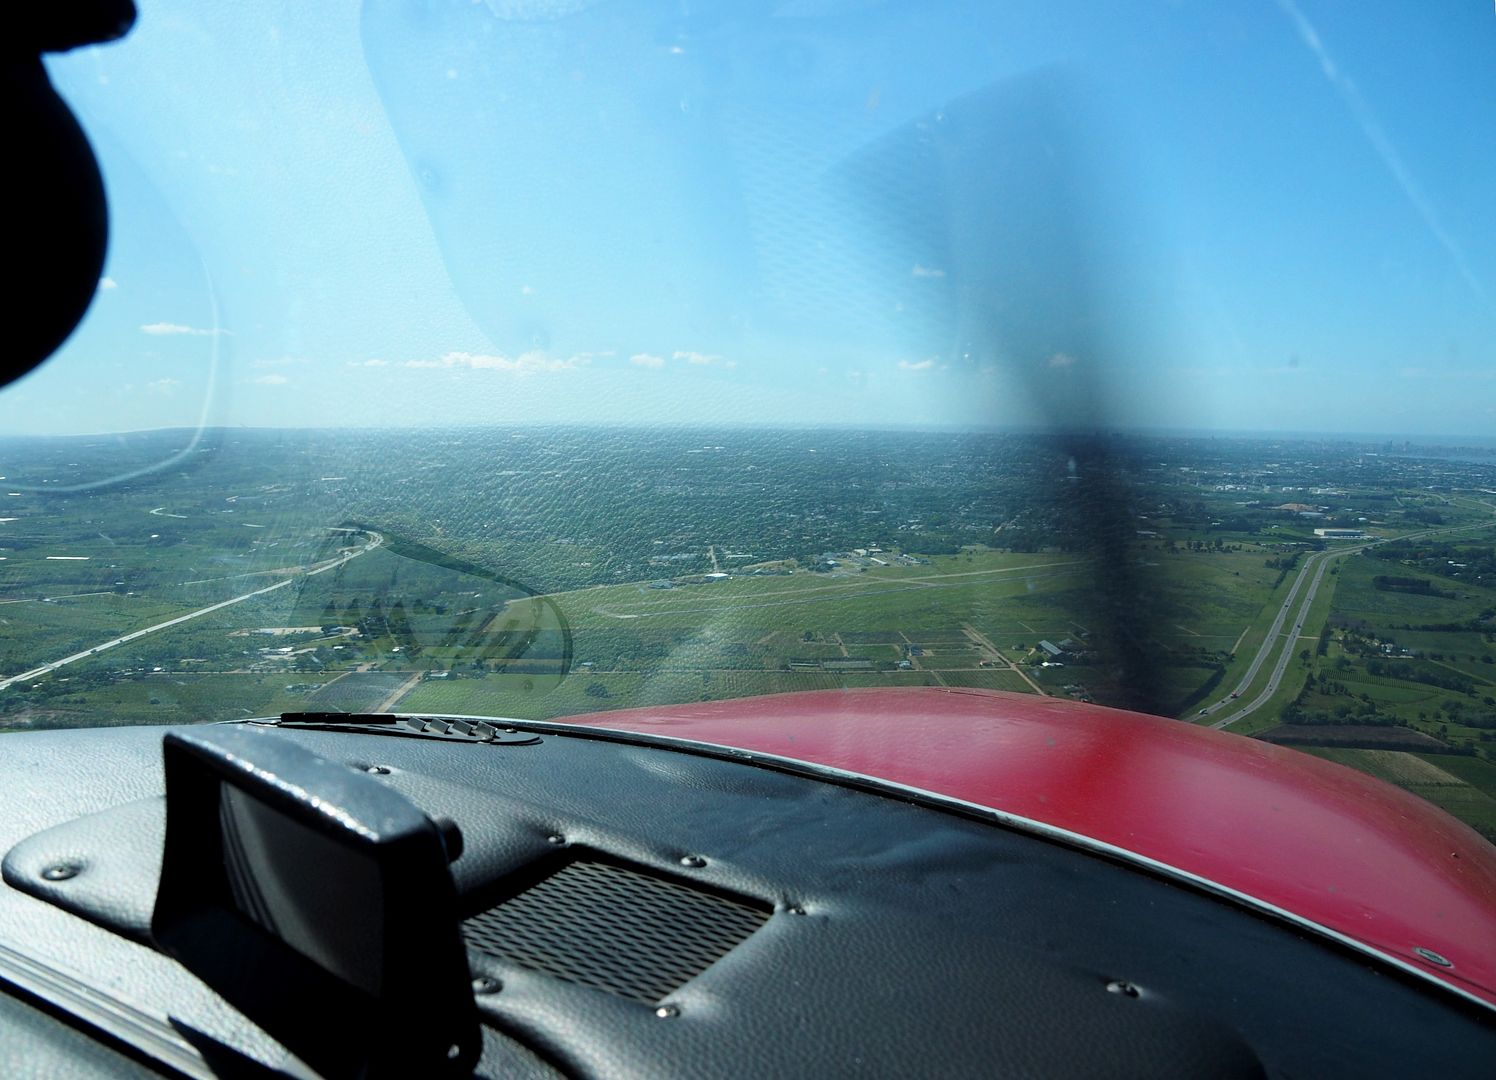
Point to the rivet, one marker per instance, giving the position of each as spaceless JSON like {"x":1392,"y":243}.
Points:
{"x":483,"y":984}
{"x":1433,"y":957}
{"x":555,"y":838}
{"x":60,"y":872}
{"x":696,"y":862}
{"x":454,"y":1052}
{"x":1126,"y":989}
{"x":378,"y":770}
{"x":795,"y":909}
{"x":667,"y":1012}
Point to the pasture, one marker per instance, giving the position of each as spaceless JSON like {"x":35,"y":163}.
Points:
{"x":1463,"y":786}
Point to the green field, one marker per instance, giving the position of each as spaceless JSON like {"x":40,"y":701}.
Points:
{"x":35,"y":631}
{"x":568,"y":570}
{"x":1299,"y":668}
{"x":526,"y":698}
{"x":167,"y":699}
{"x":1410,"y":649}
{"x":1465,"y":787}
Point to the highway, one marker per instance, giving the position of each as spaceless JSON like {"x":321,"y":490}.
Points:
{"x":375,"y":539}
{"x":1315,"y":564}
{"x":1318,"y":563}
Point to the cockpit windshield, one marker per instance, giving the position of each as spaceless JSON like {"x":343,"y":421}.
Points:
{"x":529,"y":358}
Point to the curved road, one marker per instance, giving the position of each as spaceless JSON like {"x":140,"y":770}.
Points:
{"x":375,"y":539}
{"x":1317,"y":563}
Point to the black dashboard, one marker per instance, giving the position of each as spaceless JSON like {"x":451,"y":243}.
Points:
{"x":633,"y":910}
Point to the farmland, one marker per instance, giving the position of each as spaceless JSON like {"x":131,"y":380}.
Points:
{"x":545,"y":572}
{"x":1408,"y":648}
{"x":1466,"y":787}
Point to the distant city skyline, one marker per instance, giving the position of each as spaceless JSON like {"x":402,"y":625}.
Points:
{"x":1269,"y":219}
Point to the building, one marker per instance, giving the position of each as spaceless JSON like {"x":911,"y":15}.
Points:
{"x":1051,"y":649}
{"x":1340,"y":534}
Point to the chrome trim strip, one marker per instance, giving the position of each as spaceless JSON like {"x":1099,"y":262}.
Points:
{"x":150,"y":1035}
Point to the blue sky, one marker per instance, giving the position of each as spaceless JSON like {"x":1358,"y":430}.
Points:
{"x":1258,"y":215}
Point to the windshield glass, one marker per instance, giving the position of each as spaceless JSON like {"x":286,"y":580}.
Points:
{"x":529,"y":358}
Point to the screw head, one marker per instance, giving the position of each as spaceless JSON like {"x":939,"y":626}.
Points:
{"x":795,"y":909}
{"x":555,"y":838}
{"x":485,"y":984}
{"x":60,"y":872}
{"x":1126,"y":989}
{"x":667,"y":1012}
{"x":695,"y":862}
{"x":378,"y":770}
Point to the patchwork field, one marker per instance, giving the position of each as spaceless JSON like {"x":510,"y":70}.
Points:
{"x":544,"y":572}
{"x":1463,"y":786}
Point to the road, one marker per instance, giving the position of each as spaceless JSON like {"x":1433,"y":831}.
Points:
{"x":375,"y":539}
{"x":1315,"y":564}
{"x":1318,"y":563}
{"x":982,"y":639}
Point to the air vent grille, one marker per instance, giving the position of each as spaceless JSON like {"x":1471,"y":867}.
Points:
{"x":613,"y":929}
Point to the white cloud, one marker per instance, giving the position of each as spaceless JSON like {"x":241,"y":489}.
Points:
{"x":917,"y":365}
{"x":1061,"y":360}
{"x":375,"y":362}
{"x":704,"y":359}
{"x":272,"y":379}
{"x":105,"y":284}
{"x":529,"y":363}
{"x":160,"y":329}
{"x":645,"y":360}
{"x":163,"y":386}
{"x":927,"y":271}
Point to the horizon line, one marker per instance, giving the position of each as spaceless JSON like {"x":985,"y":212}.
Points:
{"x":1441,"y":439}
